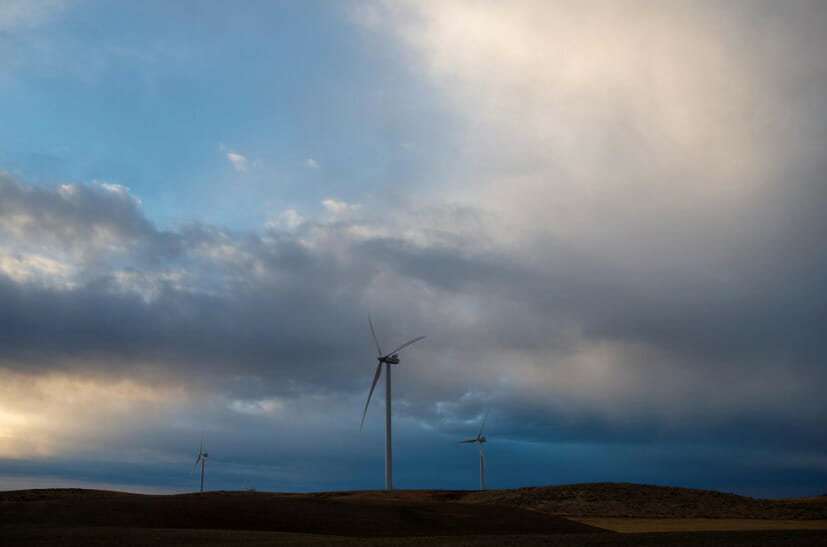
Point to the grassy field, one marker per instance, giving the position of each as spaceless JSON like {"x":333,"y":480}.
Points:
{"x":574,"y":515}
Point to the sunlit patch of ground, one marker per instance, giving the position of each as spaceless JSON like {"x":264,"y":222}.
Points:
{"x":636,"y":525}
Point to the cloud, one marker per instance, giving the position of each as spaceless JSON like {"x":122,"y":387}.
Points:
{"x":50,"y":418}
{"x":25,"y":267}
{"x":335,"y":206}
{"x":239,"y":162}
{"x":554,"y":141}
{"x":311,"y":163}
{"x":74,"y":215}
{"x":290,"y":219}
{"x":620,"y":254}
{"x":204,"y":298}
{"x":225,"y":322}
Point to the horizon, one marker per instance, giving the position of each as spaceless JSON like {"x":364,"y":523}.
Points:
{"x":390,"y":492}
{"x":606,"y":219}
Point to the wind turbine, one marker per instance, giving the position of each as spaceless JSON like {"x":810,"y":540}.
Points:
{"x":479,"y":439}
{"x":388,"y":359}
{"x":202,"y":457}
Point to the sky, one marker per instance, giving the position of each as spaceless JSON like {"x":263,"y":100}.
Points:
{"x":605,"y":217}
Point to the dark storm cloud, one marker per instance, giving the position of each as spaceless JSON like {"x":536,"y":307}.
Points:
{"x":257,"y":315}
{"x":764,"y":305}
{"x":252,"y":327}
{"x":266,"y":305}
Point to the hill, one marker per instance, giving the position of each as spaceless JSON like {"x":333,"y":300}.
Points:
{"x":648,"y":501}
{"x":373,"y":514}
{"x":536,"y":516}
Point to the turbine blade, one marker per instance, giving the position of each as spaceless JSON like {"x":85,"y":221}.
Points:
{"x":201,"y":448}
{"x":483,"y":422}
{"x":406,"y":344}
{"x":372,"y":387}
{"x":468,"y":441}
{"x":198,"y":459}
{"x":375,"y":341}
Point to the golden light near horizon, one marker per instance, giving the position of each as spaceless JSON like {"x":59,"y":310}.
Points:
{"x":43,"y":415}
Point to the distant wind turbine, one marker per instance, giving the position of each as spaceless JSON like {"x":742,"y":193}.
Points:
{"x":388,"y":359}
{"x":202,"y":457}
{"x":479,"y":439}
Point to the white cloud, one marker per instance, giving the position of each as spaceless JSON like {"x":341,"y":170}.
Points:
{"x":292,"y":219}
{"x":26,"y":267}
{"x":335,"y":206}
{"x":311,"y":163}
{"x":239,"y":162}
{"x":260,"y":407}
{"x":114,"y":188}
{"x":289,"y":220}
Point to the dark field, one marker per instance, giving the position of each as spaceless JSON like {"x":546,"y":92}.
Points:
{"x":129,"y":537}
{"x":528,"y":516}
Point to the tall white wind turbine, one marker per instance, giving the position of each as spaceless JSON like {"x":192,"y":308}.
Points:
{"x":479,"y":439}
{"x":388,"y":359}
{"x":202,"y":457}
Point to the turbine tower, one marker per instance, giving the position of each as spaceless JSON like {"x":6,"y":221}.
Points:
{"x":479,"y":439}
{"x":202,"y":457}
{"x":388,"y":359}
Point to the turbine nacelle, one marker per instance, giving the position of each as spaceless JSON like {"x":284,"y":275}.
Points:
{"x":390,"y":359}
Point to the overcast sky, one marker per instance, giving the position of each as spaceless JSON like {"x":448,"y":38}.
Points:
{"x":607,"y":218}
